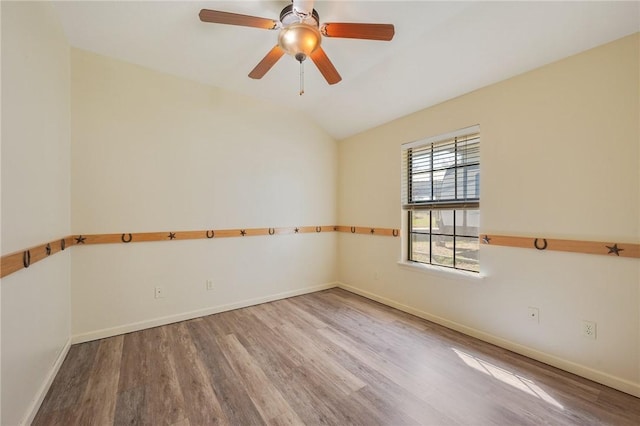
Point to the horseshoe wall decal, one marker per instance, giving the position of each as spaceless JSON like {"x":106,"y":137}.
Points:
{"x":213,"y":234}
{"x":47,"y":249}
{"x":544,"y":245}
{"x":124,"y":240}
{"x":26,"y":258}
{"x":318,"y":228}
{"x":63,"y":244}
{"x":353,"y":229}
{"x":272,"y":231}
{"x":395,"y":232}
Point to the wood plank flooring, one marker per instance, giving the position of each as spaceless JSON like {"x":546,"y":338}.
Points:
{"x":327,"y":358}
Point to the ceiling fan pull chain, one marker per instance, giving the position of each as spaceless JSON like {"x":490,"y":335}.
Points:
{"x":301,"y":78}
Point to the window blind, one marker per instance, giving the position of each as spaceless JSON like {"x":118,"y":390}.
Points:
{"x":442,"y":172}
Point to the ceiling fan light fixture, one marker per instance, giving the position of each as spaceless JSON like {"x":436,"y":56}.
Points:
{"x":300,"y":36}
{"x":299,"y":40}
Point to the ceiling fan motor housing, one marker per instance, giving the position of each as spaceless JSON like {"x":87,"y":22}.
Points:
{"x":288,"y":17}
{"x":302,"y":8}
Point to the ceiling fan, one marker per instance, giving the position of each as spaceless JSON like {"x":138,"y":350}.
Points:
{"x":300,"y":36}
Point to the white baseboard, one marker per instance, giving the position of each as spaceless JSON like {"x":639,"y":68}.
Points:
{"x":128,"y":328}
{"x":618,"y":383}
{"x":42,"y":392}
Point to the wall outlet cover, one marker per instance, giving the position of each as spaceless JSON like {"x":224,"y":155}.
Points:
{"x":589,"y":329}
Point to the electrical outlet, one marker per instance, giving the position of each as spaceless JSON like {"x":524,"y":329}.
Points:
{"x":209,"y":284}
{"x":589,"y":329}
{"x":159,"y":292}
{"x":534,"y":314}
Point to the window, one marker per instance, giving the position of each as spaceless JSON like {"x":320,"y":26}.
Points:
{"x":441,"y":197}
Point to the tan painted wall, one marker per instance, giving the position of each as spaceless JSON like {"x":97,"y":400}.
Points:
{"x":559,"y":158}
{"x":153,"y":152}
{"x":35,"y":201}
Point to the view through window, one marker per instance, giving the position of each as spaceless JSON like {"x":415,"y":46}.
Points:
{"x":441,"y":196}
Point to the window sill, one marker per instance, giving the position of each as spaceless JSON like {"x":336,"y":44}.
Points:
{"x":440,"y":271}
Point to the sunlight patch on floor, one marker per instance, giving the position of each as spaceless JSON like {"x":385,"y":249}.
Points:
{"x":505,"y":376}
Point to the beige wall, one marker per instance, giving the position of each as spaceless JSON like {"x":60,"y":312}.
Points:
{"x":153,"y":152}
{"x":560,"y":158}
{"x":35,"y":201}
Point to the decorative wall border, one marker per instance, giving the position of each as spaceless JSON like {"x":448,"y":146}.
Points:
{"x":139,"y":237}
{"x":386,"y":232}
{"x":25,"y":258}
{"x":574,"y":246}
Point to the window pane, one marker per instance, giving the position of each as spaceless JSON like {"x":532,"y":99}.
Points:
{"x":420,"y":161}
{"x":467,"y":222}
{"x":467,"y":254}
{"x":442,"y":221}
{"x":420,"y":248}
{"x":442,"y":250}
{"x":420,"y":221}
{"x":468,"y":182}
{"x":443,"y":156}
{"x":469,"y":151}
{"x":421,"y":187}
{"x":444,"y":186}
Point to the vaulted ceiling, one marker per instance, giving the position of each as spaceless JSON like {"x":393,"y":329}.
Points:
{"x":440,"y":50}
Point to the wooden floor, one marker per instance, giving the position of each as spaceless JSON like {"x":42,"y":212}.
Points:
{"x":324,"y":358}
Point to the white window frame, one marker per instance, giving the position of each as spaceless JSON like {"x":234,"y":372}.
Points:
{"x":427,"y":200}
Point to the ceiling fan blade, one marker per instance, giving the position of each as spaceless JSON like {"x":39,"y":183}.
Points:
{"x":267,"y":62}
{"x":218,"y":17}
{"x":325,"y":66}
{"x":382,"y":32}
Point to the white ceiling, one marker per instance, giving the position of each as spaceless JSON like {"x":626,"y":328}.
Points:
{"x":441,"y":49}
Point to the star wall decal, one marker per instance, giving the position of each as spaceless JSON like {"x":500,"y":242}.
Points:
{"x":172,"y":235}
{"x":243,"y":232}
{"x":486,"y":239}
{"x":48,"y":249}
{"x":373,"y":231}
{"x":80,"y":239}
{"x":614,"y":249}
{"x":297,"y":230}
